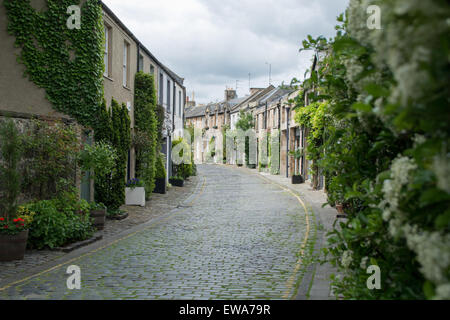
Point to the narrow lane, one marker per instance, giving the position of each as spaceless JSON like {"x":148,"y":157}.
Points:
{"x":240,"y":238}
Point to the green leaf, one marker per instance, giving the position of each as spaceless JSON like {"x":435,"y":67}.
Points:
{"x":428,"y":290}
{"x":376,"y":90}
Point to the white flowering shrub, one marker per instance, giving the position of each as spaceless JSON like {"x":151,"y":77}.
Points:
{"x":385,"y":148}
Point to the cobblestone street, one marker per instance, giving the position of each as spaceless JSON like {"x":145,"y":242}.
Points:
{"x":237,"y":237}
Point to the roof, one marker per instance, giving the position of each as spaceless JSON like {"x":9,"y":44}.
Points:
{"x":116,"y":19}
{"x":276,"y":94}
{"x":251,"y":98}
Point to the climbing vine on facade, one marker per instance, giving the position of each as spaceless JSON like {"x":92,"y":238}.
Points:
{"x":67,"y":63}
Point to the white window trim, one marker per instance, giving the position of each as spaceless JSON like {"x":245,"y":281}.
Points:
{"x":106,"y":51}
{"x":125,"y":63}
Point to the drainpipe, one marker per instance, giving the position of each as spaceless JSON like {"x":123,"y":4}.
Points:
{"x":288,"y":109}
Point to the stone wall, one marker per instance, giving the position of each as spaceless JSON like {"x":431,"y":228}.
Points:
{"x":26,"y":124}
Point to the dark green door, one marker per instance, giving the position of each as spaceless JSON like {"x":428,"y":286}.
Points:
{"x":86,"y":180}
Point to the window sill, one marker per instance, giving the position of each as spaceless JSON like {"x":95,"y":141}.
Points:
{"x":125,"y":87}
{"x":108,"y":78}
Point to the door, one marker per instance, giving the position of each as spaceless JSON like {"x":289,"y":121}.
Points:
{"x":86,"y":176}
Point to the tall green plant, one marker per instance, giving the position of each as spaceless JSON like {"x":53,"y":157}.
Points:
{"x":10,"y":155}
{"x":385,"y":148}
{"x":110,"y":187}
{"x":146,"y":129}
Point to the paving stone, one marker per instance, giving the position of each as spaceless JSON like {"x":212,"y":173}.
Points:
{"x":217,"y":248}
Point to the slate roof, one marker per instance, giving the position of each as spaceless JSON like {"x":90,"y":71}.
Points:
{"x":252,"y":98}
{"x":275,"y":95}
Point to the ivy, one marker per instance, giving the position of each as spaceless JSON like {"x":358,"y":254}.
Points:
{"x":68,"y":64}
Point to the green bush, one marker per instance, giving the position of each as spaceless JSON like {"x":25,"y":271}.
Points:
{"x":379,"y":132}
{"x":10,"y":177}
{"x":186,"y":168}
{"x":114,"y":130}
{"x":58,"y":223}
{"x":160,"y":168}
{"x":49,"y":227}
{"x":146,"y":129}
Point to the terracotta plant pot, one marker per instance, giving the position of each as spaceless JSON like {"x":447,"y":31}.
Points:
{"x":340,"y":208}
{"x":99,"y":217}
{"x":13,"y":247}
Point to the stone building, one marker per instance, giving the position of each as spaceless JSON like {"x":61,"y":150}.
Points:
{"x":124,"y":55}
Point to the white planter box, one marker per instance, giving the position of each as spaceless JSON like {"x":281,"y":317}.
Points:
{"x":135,"y":197}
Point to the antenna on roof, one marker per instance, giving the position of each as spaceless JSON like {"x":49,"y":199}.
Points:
{"x":237,"y":84}
{"x":249,"y":80}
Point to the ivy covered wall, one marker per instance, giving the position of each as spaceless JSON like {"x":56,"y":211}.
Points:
{"x":67,"y":63}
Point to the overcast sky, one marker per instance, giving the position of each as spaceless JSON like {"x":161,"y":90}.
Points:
{"x":213,"y":43}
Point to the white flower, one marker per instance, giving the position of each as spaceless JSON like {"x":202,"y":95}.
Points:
{"x":347,"y":259}
{"x":441,"y":168}
{"x":363,"y":263}
{"x":443,"y":292}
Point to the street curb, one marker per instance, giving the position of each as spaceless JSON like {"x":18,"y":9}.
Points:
{"x":78,"y":245}
{"x":89,"y":249}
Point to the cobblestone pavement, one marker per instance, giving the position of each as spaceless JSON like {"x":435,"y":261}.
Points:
{"x":239,"y":237}
{"x":155,"y":207}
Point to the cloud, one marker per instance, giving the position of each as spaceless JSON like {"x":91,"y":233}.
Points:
{"x":213,"y":43}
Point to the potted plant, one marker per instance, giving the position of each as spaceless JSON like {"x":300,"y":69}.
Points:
{"x":297,"y":178}
{"x":160,"y":176}
{"x":98,"y":213}
{"x":135,"y":193}
{"x":13,"y":228}
{"x":177,"y":181}
{"x":14,"y":236}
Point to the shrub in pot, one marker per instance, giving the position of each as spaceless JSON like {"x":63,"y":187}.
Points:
{"x":13,"y":229}
{"x":98,"y":214}
{"x":297,"y":178}
{"x":135,"y":193}
{"x":177,"y":181}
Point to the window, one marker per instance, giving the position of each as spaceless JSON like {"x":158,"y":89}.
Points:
{"x":152,"y":69}
{"x":141,"y":62}
{"x":179,"y":103}
{"x":161,"y":89}
{"x":106,"y":51}
{"x":126,"y":49}
{"x":168,"y":97}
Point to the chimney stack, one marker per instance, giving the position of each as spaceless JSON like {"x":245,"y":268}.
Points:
{"x":230,"y":94}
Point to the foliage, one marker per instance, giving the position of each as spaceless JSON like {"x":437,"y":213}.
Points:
{"x":68,"y":64}
{"x":10,"y":153}
{"x":99,"y":158}
{"x":134,"y":183}
{"x":246,"y":122}
{"x":110,"y":187}
{"x":160,"y":168}
{"x":185,"y":168}
{"x":13,"y":227}
{"x":96,"y":206}
{"x":52,"y":228}
{"x":50,"y":154}
{"x":146,"y":126}
{"x":384,"y":148}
